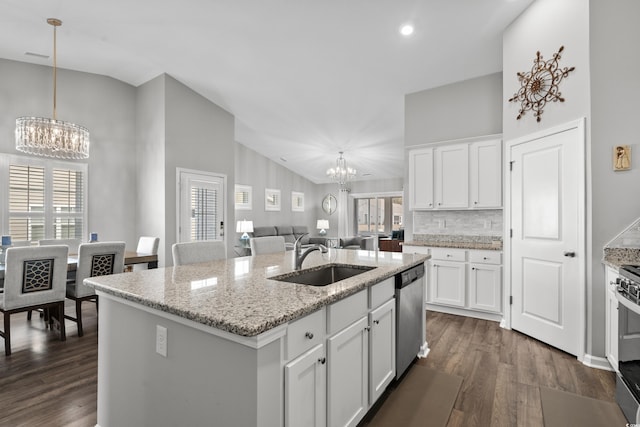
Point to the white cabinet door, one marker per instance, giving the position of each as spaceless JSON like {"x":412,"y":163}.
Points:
{"x":348,"y":375}
{"x":382,"y":349}
{"x":452,"y":176}
{"x":421,"y":178}
{"x":485,"y":169}
{"x":485,"y":287}
{"x":447,"y":283}
{"x":305,"y":389}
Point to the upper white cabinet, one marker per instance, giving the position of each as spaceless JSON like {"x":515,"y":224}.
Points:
{"x":421,"y":178}
{"x":485,"y":169}
{"x":452,"y":176}
{"x":456,"y":176}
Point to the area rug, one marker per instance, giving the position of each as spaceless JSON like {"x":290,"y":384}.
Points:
{"x":562,"y":409}
{"x":423,"y":394}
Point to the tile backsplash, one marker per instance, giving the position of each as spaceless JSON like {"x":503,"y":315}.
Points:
{"x":466,"y":223}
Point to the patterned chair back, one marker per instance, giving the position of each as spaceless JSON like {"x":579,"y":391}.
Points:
{"x":34,"y":275}
{"x":96,"y":259}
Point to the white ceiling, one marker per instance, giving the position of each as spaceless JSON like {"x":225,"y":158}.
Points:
{"x":304,"y":79}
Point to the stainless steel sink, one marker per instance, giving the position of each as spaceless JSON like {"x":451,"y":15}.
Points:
{"x":322,"y":276}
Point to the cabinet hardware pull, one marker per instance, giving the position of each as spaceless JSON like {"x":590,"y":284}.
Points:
{"x":570,"y":254}
{"x":322,"y":360}
{"x":376,"y":322}
{"x":475,"y":203}
{"x":485,"y":258}
{"x":367,"y":328}
{"x":473,"y":268}
{"x":309,"y":335}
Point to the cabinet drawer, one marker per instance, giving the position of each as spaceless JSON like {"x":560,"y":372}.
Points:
{"x":344,"y":312}
{"x":302,"y":334}
{"x":415,"y":249}
{"x":381,"y":292}
{"x":485,"y":257}
{"x":446,"y":254}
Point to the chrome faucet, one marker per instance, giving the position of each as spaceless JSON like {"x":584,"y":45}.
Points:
{"x":300,"y":256}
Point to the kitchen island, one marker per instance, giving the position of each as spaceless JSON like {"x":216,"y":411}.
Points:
{"x":221,"y":343}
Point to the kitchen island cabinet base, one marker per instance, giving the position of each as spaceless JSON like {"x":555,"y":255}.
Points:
{"x":205,"y":378}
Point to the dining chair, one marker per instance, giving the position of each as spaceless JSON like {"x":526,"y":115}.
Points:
{"x":71,"y":243}
{"x":200,"y":251}
{"x":34,"y":278}
{"x":267,"y":245}
{"x":94,"y":259}
{"x":148,"y":245}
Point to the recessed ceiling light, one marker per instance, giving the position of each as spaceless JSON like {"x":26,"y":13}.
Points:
{"x":367,"y":174}
{"x":406,"y":30}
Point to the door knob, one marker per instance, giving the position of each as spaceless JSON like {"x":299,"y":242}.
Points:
{"x":570,"y":254}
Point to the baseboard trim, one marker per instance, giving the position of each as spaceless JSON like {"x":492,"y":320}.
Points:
{"x":597,"y":362}
{"x":494,"y":317}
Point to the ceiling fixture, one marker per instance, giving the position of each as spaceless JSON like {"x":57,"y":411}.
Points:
{"x":341,"y":173}
{"x":52,"y":137}
{"x":406,"y":30}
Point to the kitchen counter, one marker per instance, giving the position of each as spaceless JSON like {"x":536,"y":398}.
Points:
{"x":616,"y":257}
{"x":492,"y":243}
{"x":220,"y":342}
{"x":237,"y":296}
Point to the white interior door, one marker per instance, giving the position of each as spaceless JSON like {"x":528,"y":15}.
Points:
{"x":201,"y":206}
{"x":547,"y":244}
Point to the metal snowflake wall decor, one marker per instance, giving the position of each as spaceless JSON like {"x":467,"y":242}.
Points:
{"x":540,"y":85}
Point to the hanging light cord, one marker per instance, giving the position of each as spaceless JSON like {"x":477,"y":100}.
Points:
{"x":56,"y":23}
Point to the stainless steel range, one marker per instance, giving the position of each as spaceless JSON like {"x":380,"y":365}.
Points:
{"x":628,"y":378}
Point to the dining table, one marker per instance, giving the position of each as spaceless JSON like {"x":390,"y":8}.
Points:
{"x":130,"y":258}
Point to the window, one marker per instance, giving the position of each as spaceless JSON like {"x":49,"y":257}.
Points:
{"x":44,"y":199}
{"x":379,"y":214}
{"x":370,"y":215}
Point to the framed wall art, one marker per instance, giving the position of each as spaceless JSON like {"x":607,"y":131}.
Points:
{"x":621,"y":157}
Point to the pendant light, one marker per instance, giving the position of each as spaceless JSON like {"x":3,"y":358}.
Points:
{"x":52,"y":137}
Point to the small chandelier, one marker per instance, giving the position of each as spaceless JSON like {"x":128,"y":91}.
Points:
{"x":52,"y":137}
{"x":341,"y":173}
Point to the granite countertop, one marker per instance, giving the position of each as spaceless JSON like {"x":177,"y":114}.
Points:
{"x":237,"y":296}
{"x":492,"y":243}
{"x":616,"y":257}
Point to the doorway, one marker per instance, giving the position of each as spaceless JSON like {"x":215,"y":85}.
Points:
{"x":201,"y":205}
{"x":545,"y":236}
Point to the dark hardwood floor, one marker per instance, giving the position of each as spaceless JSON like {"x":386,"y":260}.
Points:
{"x":502,"y":371}
{"x":53,"y":383}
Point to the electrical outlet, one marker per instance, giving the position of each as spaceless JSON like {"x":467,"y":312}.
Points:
{"x":441,"y":223}
{"x":487,"y":224}
{"x":161,"y":340}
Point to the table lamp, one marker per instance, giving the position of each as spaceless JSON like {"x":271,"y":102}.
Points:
{"x":323,"y":226}
{"x":244,"y":227}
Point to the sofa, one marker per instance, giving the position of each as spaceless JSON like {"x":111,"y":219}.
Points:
{"x":290,"y":234}
{"x":357,"y":242}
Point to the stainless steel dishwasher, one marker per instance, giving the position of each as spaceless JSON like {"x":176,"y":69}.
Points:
{"x":409,"y":312}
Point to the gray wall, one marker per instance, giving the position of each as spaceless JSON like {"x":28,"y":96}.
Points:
{"x":604,"y":89}
{"x":107,"y":108}
{"x":150,"y":153}
{"x":198,"y":135}
{"x":259,"y":172}
{"x":615,"y":90}
{"x":460,"y":110}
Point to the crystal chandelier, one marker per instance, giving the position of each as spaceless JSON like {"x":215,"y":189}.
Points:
{"x":341,"y":173}
{"x":52,"y":137}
